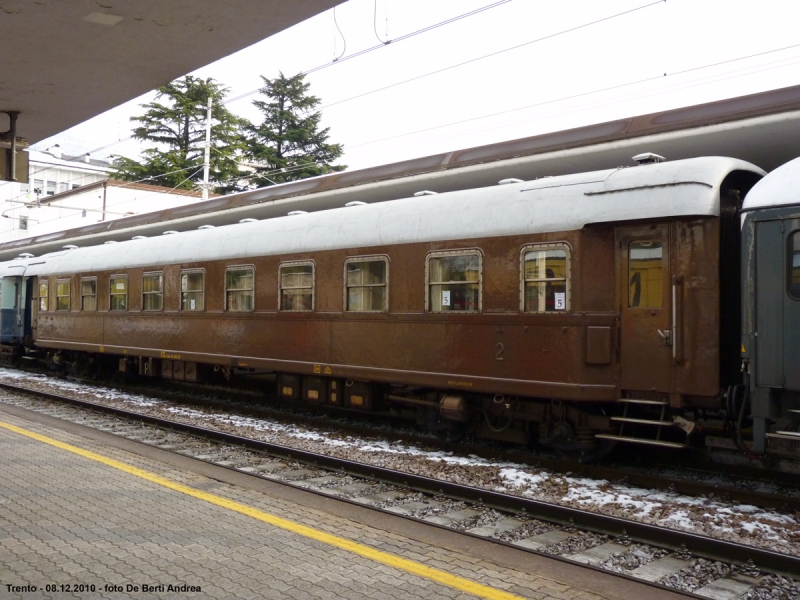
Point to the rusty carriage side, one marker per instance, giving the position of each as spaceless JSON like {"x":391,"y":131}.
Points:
{"x":527,"y":311}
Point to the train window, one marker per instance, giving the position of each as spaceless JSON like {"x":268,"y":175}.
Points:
{"x":454,"y":281}
{"x":297,"y":286}
{"x":62,"y":294}
{"x":118,"y":292}
{"x":193,"y":290}
{"x":89,"y":293}
{"x":645,"y":273}
{"x":545,"y":278}
{"x":365,"y":281}
{"x":153,"y":291}
{"x":44,"y":292}
{"x":794,"y":265}
{"x":239,"y":288}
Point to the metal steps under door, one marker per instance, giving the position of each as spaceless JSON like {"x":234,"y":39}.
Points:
{"x":658,"y":424}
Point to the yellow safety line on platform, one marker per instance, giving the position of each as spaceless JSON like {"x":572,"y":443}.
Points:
{"x":410,"y":566}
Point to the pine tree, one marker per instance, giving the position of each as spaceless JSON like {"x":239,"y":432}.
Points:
{"x":175,"y":124}
{"x":288,"y":144}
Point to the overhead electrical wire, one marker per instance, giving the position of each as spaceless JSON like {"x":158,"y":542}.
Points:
{"x":343,"y":58}
{"x":383,"y":45}
{"x":375,"y":25}
{"x":652,"y":92}
{"x":410,"y":35}
{"x":417,"y":32}
{"x":77,"y":177}
{"x":136,"y":198}
{"x":580,"y":95}
{"x":344,"y":40}
{"x":491,"y":54}
{"x":264,"y":174}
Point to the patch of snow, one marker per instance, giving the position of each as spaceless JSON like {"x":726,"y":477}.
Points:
{"x":679,"y":519}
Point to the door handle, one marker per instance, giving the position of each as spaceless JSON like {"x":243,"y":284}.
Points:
{"x":666,"y":336}
{"x":677,"y":316}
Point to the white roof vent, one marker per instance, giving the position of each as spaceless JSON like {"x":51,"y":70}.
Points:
{"x":207,"y":226}
{"x":25,"y":255}
{"x":510,"y":180}
{"x":294,"y":213}
{"x":139,"y":237}
{"x":110,"y":242}
{"x":69,"y":247}
{"x":647,"y":158}
{"x":169,"y":232}
{"x":248,"y":221}
{"x":355,"y":203}
{"x":425,"y":193}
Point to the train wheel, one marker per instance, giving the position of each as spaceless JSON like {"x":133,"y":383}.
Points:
{"x":453,"y":432}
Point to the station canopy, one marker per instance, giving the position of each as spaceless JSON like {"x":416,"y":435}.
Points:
{"x":66,"y":61}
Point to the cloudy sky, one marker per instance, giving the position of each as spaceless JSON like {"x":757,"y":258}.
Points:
{"x":515,"y":69}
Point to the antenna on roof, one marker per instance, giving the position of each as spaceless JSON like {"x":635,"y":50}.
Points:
{"x":248,"y":220}
{"x":206,"y":227}
{"x":139,"y":237}
{"x":170,"y":232}
{"x":510,"y":180}
{"x":294,"y":213}
{"x":425,"y":193}
{"x":355,"y":203}
{"x":69,"y":247}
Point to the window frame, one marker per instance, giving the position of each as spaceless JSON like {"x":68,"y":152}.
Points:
{"x":187,"y":271}
{"x":385,"y":284}
{"x":46,"y":283}
{"x":298,"y":263}
{"x":68,"y":281}
{"x":791,"y":252}
{"x":226,"y":289}
{"x":159,"y":293}
{"x":111,"y":293}
{"x":83,"y":309}
{"x":663,"y":247}
{"x":460,"y":252}
{"x":559,"y":245}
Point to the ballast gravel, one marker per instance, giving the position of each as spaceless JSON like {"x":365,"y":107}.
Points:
{"x":714,"y":517}
{"x":579,"y":542}
{"x":699,"y":573}
{"x":774,"y":587}
{"x":636,"y":556}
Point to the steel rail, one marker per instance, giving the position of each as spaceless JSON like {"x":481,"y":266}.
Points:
{"x":702,"y":546}
{"x":614,"y":474}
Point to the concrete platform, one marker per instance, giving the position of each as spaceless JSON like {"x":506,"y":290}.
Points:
{"x":80,"y":507}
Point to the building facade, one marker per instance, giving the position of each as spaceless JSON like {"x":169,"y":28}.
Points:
{"x":66,"y":192}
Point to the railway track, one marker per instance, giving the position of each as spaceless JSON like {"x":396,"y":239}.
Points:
{"x":701,"y":566}
{"x":738,"y":484}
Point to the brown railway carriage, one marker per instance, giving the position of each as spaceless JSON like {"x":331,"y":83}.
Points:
{"x":530,"y":303}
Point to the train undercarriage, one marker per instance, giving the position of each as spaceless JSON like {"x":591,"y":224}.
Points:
{"x":583,"y":431}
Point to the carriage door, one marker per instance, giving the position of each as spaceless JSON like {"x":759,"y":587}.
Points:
{"x":645,"y":307}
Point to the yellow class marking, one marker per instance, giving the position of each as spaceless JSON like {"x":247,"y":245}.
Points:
{"x":397,"y":562}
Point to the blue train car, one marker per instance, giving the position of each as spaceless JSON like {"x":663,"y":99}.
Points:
{"x":15,"y":293}
{"x":771,"y":307}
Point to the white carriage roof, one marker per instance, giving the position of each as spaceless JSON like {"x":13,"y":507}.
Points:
{"x":780,"y":188}
{"x":680,"y":188}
